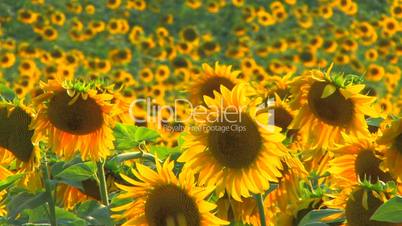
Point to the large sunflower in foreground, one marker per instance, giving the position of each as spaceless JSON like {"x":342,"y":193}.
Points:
{"x":357,"y":159}
{"x":75,"y":117}
{"x":232,"y":147}
{"x":392,"y":148}
{"x":160,"y":198}
{"x":210,"y":80}
{"x":329,"y":105}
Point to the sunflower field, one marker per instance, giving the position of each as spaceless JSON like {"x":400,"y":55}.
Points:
{"x":201,"y":112}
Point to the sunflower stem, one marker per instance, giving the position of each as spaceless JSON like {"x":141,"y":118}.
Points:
{"x":48,"y":188}
{"x":102,"y":183}
{"x":261,"y":209}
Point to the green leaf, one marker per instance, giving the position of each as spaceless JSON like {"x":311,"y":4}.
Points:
{"x":67,"y":218}
{"x":6,"y":92}
{"x":94,"y":212}
{"x":37,"y":215}
{"x":25,"y":200}
{"x":78,"y":172}
{"x":163,"y":152}
{"x":328,"y":91}
{"x":374,"y":121}
{"x":9,"y":181}
{"x":130,"y":136}
{"x":314,"y":217}
{"x":390,"y":211}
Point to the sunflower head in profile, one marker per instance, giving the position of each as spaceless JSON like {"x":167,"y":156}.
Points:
{"x":160,"y":198}
{"x":357,"y":160}
{"x":15,"y":136}
{"x":210,"y":80}
{"x":359,"y":202}
{"x":74,"y":116}
{"x":391,"y":146}
{"x":233,"y":147}
{"x":329,"y":104}
{"x":69,"y":196}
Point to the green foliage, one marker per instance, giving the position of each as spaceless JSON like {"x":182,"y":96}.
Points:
{"x":4,"y":184}
{"x":94,"y":212}
{"x":130,"y":136}
{"x":390,"y":211}
{"x":314,"y":217}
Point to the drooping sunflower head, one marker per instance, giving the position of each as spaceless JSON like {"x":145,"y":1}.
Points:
{"x":74,"y":116}
{"x":291,"y":200}
{"x":359,"y":202}
{"x":210,"y":80}
{"x":357,"y":160}
{"x":233,"y":147}
{"x":69,"y":196}
{"x":391,"y":145}
{"x":329,"y":104}
{"x":15,"y":135}
{"x":160,"y":198}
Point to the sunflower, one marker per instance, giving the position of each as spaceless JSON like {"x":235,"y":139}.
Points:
{"x":75,"y":117}
{"x":210,"y":80}
{"x":282,"y":114}
{"x":392,"y":148}
{"x":160,"y":198}
{"x":357,"y":159}
{"x":232,"y":147}
{"x":16,"y":148}
{"x":361,"y":201}
{"x":7,"y":60}
{"x":281,"y":203}
{"x":329,"y":105}
{"x":3,"y":208}
{"x":15,"y":136}
{"x":279,"y":85}
{"x":69,"y":196}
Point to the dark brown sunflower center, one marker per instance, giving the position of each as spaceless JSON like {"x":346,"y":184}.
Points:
{"x":357,"y":215}
{"x":15,"y":135}
{"x":334,"y":109}
{"x":282,"y":118}
{"x":367,"y":165}
{"x":80,"y":118}
{"x":91,"y":188}
{"x":234,"y":140}
{"x":170,"y":205}
{"x":398,"y":143}
{"x":213,"y":84}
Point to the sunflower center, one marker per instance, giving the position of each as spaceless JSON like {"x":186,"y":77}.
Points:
{"x":15,"y":135}
{"x":357,"y":215}
{"x":213,"y":84}
{"x":170,"y":205}
{"x":234,"y":140}
{"x":367,"y":165}
{"x":282,"y":118}
{"x":80,"y":118}
{"x":91,"y":188}
{"x":398,"y":143}
{"x":335,"y":109}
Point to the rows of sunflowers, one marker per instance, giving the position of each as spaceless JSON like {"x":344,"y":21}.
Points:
{"x":201,"y":112}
